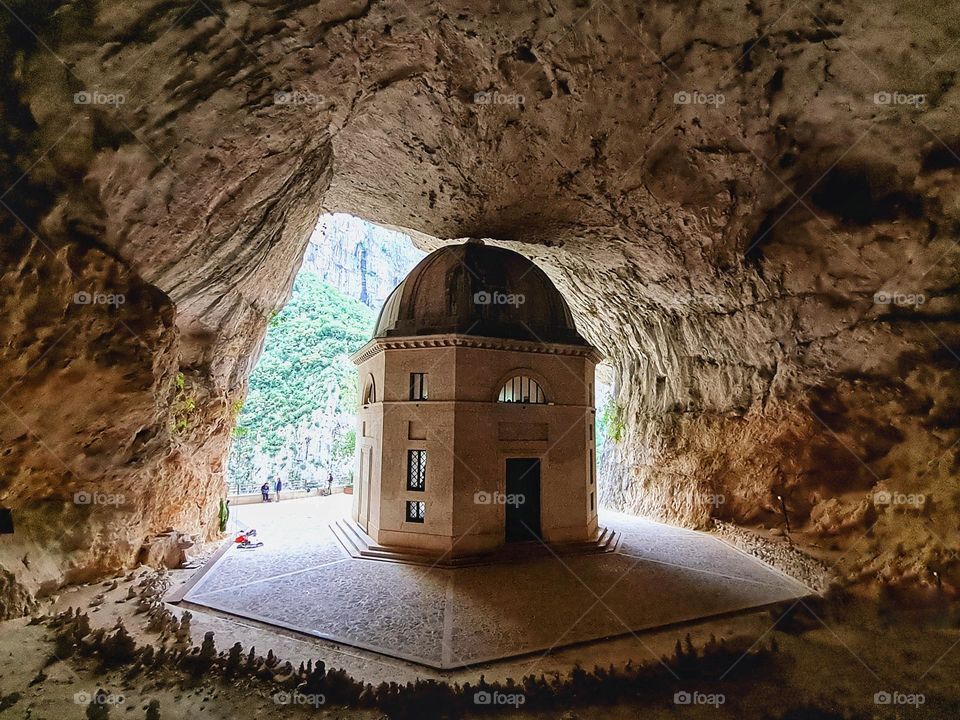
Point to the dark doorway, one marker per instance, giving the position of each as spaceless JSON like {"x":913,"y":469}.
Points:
{"x":6,"y":521}
{"x":523,"y":499}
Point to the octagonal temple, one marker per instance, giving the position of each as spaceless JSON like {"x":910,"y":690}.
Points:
{"x":476,"y":426}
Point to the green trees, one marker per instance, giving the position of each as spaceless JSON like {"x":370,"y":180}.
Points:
{"x":297,"y":418}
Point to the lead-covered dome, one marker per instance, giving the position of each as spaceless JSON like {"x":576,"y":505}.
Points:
{"x":482,"y":290}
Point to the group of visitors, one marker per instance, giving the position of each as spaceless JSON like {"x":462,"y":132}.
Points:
{"x":278,"y":486}
{"x":265,"y":490}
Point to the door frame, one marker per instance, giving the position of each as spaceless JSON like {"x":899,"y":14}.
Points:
{"x":502,"y":484}
{"x":362,"y":488}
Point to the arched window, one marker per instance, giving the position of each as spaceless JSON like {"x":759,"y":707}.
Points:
{"x":522,"y":389}
{"x":369,"y":391}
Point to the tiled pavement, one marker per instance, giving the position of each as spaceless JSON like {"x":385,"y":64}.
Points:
{"x":303,"y":580}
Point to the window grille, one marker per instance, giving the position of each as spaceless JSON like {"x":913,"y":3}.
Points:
{"x":522,"y":389}
{"x":416,"y":511}
{"x":416,"y":469}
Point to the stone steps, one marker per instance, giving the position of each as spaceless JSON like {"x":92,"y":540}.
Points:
{"x":360,"y":546}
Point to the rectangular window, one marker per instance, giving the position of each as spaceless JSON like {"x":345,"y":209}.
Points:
{"x":592,"y":462}
{"x":416,"y":469}
{"x":418,"y":386}
{"x":591,"y":502}
{"x":416,"y":511}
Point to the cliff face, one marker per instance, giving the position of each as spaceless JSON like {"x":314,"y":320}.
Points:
{"x":359,"y":259}
{"x":752,"y":209}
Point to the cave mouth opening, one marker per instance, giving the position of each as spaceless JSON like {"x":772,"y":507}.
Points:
{"x":297,"y":424}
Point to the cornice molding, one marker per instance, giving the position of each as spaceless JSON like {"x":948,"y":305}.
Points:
{"x":416,"y":342}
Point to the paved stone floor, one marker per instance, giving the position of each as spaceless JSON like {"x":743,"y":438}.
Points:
{"x":303,"y":580}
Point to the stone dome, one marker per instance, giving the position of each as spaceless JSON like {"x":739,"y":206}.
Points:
{"x":482,"y":290}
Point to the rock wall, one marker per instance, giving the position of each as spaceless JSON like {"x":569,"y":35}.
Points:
{"x":361,"y":260}
{"x":744,"y":204}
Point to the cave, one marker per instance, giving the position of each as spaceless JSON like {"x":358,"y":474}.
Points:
{"x":750,"y":210}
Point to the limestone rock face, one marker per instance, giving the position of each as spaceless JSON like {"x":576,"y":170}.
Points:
{"x":361,"y":261}
{"x":166,"y":550}
{"x":752,"y":209}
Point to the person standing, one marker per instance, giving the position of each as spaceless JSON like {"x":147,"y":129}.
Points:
{"x":329,"y":483}
{"x":278,"y":487}
{"x":265,"y":492}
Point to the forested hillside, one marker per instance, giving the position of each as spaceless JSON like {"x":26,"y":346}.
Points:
{"x":297,"y":421}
